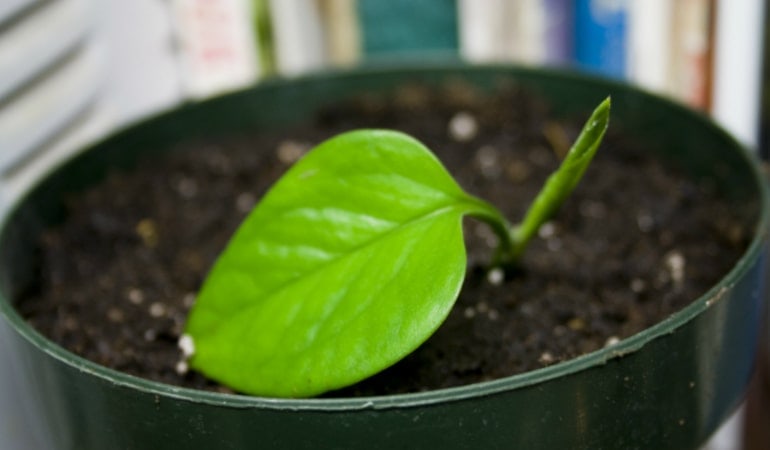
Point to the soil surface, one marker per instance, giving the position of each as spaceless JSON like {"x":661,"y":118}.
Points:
{"x":635,"y":243}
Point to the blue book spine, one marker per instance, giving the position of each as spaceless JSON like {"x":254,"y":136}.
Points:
{"x":601,"y":36}
{"x":559,"y":25}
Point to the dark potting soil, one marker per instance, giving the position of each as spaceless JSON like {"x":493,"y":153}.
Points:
{"x":635,"y":243}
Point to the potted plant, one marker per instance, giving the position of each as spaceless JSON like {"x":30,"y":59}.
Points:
{"x":668,"y":386}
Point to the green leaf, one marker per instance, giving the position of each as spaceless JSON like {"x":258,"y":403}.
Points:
{"x":348,"y":264}
{"x":562,"y":182}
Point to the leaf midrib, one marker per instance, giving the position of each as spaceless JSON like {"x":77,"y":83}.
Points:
{"x":445,"y":209}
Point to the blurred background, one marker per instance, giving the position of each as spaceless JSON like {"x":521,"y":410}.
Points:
{"x":72,"y":71}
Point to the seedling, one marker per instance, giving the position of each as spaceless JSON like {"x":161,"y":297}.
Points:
{"x":350,"y":262}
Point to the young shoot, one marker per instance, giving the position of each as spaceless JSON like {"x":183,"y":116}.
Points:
{"x":350,"y":262}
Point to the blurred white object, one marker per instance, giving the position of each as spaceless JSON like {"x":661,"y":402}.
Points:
{"x":73,"y":70}
{"x":45,"y":84}
{"x":738,"y":68}
{"x":298,"y":36}
{"x":525,"y":31}
{"x":216,"y":43}
{"x":650,"y":43}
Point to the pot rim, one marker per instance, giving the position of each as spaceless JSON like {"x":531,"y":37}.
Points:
{"x":599,"y":357}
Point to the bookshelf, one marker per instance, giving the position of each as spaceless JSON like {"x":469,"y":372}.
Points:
{"x":704,"y":53}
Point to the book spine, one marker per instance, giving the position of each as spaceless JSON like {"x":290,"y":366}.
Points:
{"x":409,"y":28}
{"x":601,"y":36}
{"x":298,"y":36}
{"x":489,"y":29}
{"x":558,"y":31}
{"x":217,"y":49}
{"x":691,"y":58}
{"x":649,"y":44}
{"x":528,"y":31}
{"x":738,"y":31}
{"x":341,"y":31}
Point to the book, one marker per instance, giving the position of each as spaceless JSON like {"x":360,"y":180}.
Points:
{"x":298,"y":36}
{"x":737,"y":67}
{"x":525,"y":31}
{"x":650,"y":44}
{"x":342,"y":32}
{"x":601,"y":36}
{"x":408,"y":29}
{"x":217,"y":45}
{"x":691,"y":52}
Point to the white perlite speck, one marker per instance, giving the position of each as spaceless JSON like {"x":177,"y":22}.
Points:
{"x":289,"y":152}
{"x":135,"y":296}
{"x":463,"y":127}
{"x":187,"y":345}
{"x":547,"y":230}
{"x":675,"y":262}
{"x":496,"y":276}
{"x":245,"y":202}
{"x":182,"y":367}
{"x":157,"y":310}
{"x":488,"y":161}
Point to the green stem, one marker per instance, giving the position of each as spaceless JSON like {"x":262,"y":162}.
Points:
{"x":561,"y":183}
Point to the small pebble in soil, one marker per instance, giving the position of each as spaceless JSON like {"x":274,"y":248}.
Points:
{"x":463,"y":127}
{"x":518,"y":171}
{"x":675,"y":262}
{"x":547,"y":230}
{"x":187,"y":345}
{"x":70,"y":323}
{"x":115,"y":315}
{"x":469,"y":312}
{"x":488,"y":161}
{"x":612,"y":340}
{"x":148,"y":232}
{"x":546,"y":358}
{"x":181,"y":367}
{"x":187,"y":188}
{"x":150,"y":334}
{"x":157,"y":310}
{"x":245,"y":202}
{"x":576,"y":324}
{"x":188,"y":300}
{"x":638,"y":285}
{"x":289,"y":151}
{"x":593,"y":210}
{"x":553,"y":244}
{"x":496,"y":276}
{"x":135,"y":296}
{"x":645,"y":222}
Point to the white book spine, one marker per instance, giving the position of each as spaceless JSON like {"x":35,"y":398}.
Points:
{"x":649,"y":43}
{"x":738,"y":68}
{"x":298,"y":36}
{"x":217,"y":39}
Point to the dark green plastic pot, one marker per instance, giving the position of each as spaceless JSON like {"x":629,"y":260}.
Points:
{"x":667,"y":387}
